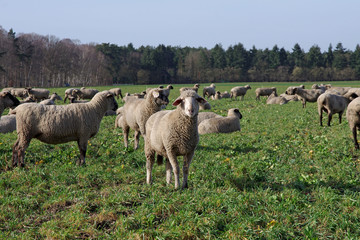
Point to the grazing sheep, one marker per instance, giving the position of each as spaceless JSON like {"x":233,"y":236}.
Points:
{"x":116,"y":92}
{"x":353,"y":117}
{"x":239,"y":91}
{"x":228,"y":124}
{"x":19,"y":92}
{"x":85,"y":93}
{"x":225,"y":94}
{"x":7,"y":123}
{"x":71,"y":93}
{"x":264,"y":92}
{"x":333,"y":103}
{"x":51,"y":100}
{"x":307,"y":95}
{"x":38,"y":94}
{"x":195,"y":88}
{"x":173,"y":133}
{"x":209,"y":91}
{"x":54,"y":124}
{"x":137,"y":111}
{"x":274,"y":99}
{"x":7,"y":100}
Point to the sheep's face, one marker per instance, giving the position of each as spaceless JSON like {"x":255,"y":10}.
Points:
{"x":159,"y":97}
{"x":235,"y":111}
{"x":112,"y":102}
{"x":190,"y":104}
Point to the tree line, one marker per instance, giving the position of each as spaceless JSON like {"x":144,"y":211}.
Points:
{"x":46,"y":61}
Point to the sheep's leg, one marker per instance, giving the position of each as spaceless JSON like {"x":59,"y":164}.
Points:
{"x":150,"y":159}
{"x":187,"y":160}
{"x":340,"y":117}
{"x":19,"y":151}
{"x":15,"y":156}
{"x":329,"y":118}
{"x":175,"y":166}
{"x":355,"y":137}
{"x":168,"y":171}
{"x":82,"y":144}
{"x":136,"y":140}
{"x":320,"y":116}
{"x":126,"y":130}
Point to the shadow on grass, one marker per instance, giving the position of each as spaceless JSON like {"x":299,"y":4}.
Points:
{"x":240,"y":149}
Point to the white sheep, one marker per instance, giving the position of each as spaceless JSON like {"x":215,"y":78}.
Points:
{"x":225,"y":94}
{"x":239,"y":91}
{"x":289,"y":90}
{"x":137,"y":111}
{"x":206,"y":115}
{"x":217,"y":96}
{"x":289,"y":97}
{"x":7,"y":123}
{"x":70,"y":92}
{"x":51,"y":101}
{"x":116,"y":92}
{"x":195,"y":88}
{"x":274,"y":99}
{"x":86,"y":93}
{"x":209,"y":91}
{"x":340,"y":90}
{"x":38,"y":94}
{"x":264,"y":92}
{"x":171,"y":134}
{"x":19,"y":92}
{"x":353,"y":117}
{"x":228,"y":124}
{"x":54,"y":124}
{"x":7,"y":100}
{"x":333,"y":103}
{"x":307,"y":95}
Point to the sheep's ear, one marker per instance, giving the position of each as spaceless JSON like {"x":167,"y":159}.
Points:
{"x":155,"y":94}
{"x":109,"y":95}
{"x":177,"y":101}
{"x":201,"y":100}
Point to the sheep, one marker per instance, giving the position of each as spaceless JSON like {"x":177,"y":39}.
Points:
{"x":228,"y":124}
{"x":333,"y":103}
{"x":73,"y":100}
{"x":116,"y":92}
{"x":166,"y":90}
{"x":19,"y":92}
{"x":70,"y":92}
{"x":353,"y":117}
{"x":322,"y":87}
{"x":204,"y":106}
{"x":209,"y":91}
{"x":307,"y":95}
{"x":85,"y":93}
{"x":137,"y":111}
{"x":239,"y":91}
{"x":7,"y":100}
{"x":7,"y":123}
{"x":291,"y":89}
{"x":264,"y":92}
{"x":341,"y":90}
{"x":195,"y":88}
{"x":27,"y":100}
{"x":55,"y":124}
{"x":289,"y":97}
{"x":225,"y":94}
{"x":173,"y":133}
{"x":206,"y":115}
{"x":51,"y":100}
{"x":217,"y":96}
{"x":38,"y":94}
{"x":274,"y":99}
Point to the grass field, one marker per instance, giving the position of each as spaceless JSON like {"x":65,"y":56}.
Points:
{"x":282,"y":177}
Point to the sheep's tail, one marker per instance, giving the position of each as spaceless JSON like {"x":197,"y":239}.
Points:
{"x":159,"y":159}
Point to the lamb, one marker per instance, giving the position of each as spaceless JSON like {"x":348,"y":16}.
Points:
{"x":333,"y":103}
{"x":274,"y":99}
{"x":228,"y":124}
{"x":7,"y":123}
{"x":264,"y":92}
{"x":51,"y":100}
{"x":38,"y":94}
{"x":116,"y":92}
{"x":86,"y":93}
{"x":173,"y":133}
{"x":137,"y":111}
{"x":7,"y":100}
{"x":239,"y":91}
{"x":209,"y":91}
{"x":353,"y":117}
{"x":195,"y":88}
{"x":55,"y":124}
{"x":307,"y":95}
{"x":70,"y":92}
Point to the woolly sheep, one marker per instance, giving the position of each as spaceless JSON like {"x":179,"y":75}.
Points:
{"x":341,"y":90}
{"x":7,"y":100}
{"x":55,"y":124}
{"x":195,"y":88}
{"x":239,"y":91}
{"x":86,"y":93}
{"x":217,"y":96}
{"x":289,"y":97}
{"x":228,"y":124}
{"x":137,"y":111}
{"x":209,"y":91}
{"x":38,"y":94}
{"x":7,"y":123}
{"x":333,"y":103}
{"x":225,"y":94}
{"x":171,"y":134}
{"x":307,"y":95}
{"x":206,"y":115}
{"x":353,"y":117}
{"x":19,"y":92}
{"x":70,"y":92}
{"x":116,"y":92}
{"x":274,"y":99}
{"x":264,"y":92}
{"x":51,"y":100}
{"x":289,"y":90}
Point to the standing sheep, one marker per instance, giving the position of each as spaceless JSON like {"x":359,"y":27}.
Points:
{"x":7,"y":100}
{"x":137,"y":111}
{"x":71,"y":93}
{"x":195,"y":88}
{"x":54,"y":124}
{"x":38,"y":94}
{"x":86,"y":93}
{"x":307,"y":95}
{"x":289,"y":90}
{"x":209,"y":91}
{"x":116,"y":92}
{"x":19,"y":92}
{"x":239,"y":91}
{"x":264,"y":92}
{"x":228,"y":124}
{"x":353,"y":117}
{"x":171,"y":134}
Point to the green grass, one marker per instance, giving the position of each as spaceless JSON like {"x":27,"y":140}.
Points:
{"x":282,"y":177}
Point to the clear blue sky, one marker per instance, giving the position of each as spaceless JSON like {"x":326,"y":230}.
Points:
{"x":194,"y":23}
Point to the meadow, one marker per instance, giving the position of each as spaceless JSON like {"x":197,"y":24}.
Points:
{"x":281,"y":177}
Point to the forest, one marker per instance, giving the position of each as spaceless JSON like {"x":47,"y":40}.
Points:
{"x":30,"y":59}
